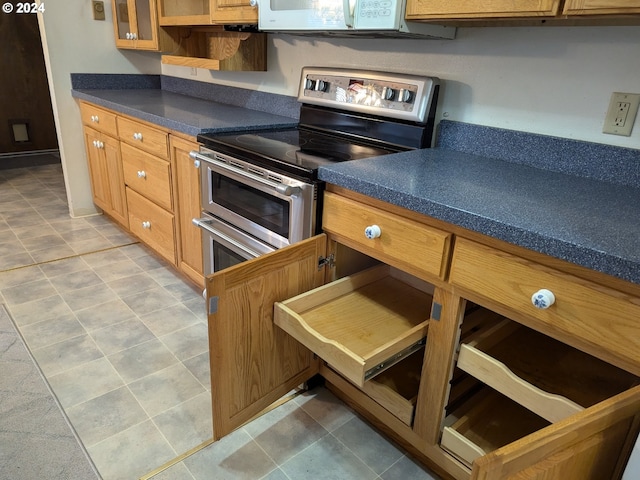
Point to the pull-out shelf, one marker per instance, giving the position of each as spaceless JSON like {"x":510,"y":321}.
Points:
{"x":548,"y":377}
{"x":361,"y":324}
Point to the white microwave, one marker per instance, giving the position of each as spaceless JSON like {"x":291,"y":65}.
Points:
{"x":343,"y":17}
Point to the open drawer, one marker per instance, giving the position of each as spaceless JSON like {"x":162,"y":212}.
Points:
{"x":548,"y":377}
{"x":484,"y":423}
{"x":361,"y":324}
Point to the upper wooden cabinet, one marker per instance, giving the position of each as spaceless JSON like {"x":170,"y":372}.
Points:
{"x":501,"y":10}
{"x":135,"y":24}
{"x":447,"y":9}
{"x":206,"y":12}
{"x":601,"y":7}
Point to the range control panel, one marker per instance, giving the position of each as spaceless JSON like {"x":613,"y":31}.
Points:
{"x":403,"y":96}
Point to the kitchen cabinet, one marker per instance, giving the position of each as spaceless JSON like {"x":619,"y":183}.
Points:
{"x":601,"y":7}
{"x":105,"y":164}
{"x":135,"y":24}
{"x":207,"y":12}
{"x":459,"y":9}
{"x":429,"y":332}
{"x":187,"y":207}
{"x":142,"y":177}
{"x":148,"y":178}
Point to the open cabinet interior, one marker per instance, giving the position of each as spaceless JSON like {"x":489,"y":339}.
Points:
{"x":511,"y":381}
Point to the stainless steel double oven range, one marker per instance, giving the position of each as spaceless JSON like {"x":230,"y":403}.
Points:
{"x":260,"y":190}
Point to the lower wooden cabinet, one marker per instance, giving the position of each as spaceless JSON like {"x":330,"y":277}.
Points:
{"x":146,"y":181}
{"x":463,"y":379}
{"x":107,"y":178}
{"x":188,"y":207}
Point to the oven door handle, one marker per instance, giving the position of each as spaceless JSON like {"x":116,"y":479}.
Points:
{"x":205,"y":224}
{"x":287,"y":190}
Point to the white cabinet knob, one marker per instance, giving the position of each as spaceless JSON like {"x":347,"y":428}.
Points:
{"x":95,"y":143}
{"x":543,"y":298}
{"x":196,"y":163}
{"x":142,"y":174}
{"x":98,"y":144}
{"x":128,"y":35}
{"x":134,"y":36}
{"x":137,"y":136}
{"x":95,"y":119}
{"x":146,"y":224}
{"x":372,"y":231}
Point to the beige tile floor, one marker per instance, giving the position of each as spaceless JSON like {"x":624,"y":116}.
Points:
{"x":122,"y":340}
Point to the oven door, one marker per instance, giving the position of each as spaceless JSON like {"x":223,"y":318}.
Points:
{"x":224,"y":246}
{"x":269,"y":206}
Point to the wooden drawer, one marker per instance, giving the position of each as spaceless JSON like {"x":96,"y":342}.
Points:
{"x":361,"y":324}
{"x":543,"y":375}
{"x":590,"y":317}
{"x":484,"y":423}
{"x":144,"y":137}
{"x":396,"y":389}
{"x":147,"y":175}
{"x":99,"y":119}
{"x":152,"y":224}
{"x":406,"y":244}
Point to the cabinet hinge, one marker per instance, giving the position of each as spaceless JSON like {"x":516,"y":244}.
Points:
{"x":324,"y":261}
{"x":213,"y":305}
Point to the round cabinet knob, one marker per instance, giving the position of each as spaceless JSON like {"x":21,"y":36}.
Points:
{"x":253,"y":3}
{"x":95,"y":143}
{"x":137,"y":136}
{"x":94,"y":118}
{"x":196,"y":163}
{"x":134,"y":36}
{"x":142,"y":174}
{"x":372,"y":231}
{"x":543,"y":299}
{"x":388,"y":93}
{"x":146,"y":224}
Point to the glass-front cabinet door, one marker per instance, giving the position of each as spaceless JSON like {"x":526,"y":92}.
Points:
{"x":135,"y":24}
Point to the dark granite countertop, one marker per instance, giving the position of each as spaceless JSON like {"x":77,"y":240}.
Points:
{"x":183,"y":113}
{"x":585,"y":221}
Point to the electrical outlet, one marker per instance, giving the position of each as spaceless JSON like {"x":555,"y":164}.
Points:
{"x":622,"y":112}
{"x":98,"y":9}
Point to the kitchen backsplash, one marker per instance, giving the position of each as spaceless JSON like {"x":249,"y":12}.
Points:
{"x":585,"y":159}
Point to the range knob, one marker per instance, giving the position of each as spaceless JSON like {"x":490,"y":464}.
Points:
{"x":309,"y":84}
{"x":322,"y":86}
{"x":405,"y":95}
{"x":388,"y":93}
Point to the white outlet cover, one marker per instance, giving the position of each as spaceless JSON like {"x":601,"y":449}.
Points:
{"x":610,"y":120}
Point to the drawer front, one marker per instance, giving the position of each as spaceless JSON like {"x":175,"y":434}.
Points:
{"x":406,"y":244}
{"x":152,"y":224}
{"x":592,"y":318}
{"x":147,"y":175}
{"x":146,"y":138}
{"x":99,"y":119}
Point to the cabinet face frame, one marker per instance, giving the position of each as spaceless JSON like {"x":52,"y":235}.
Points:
{"x":601,"y":7}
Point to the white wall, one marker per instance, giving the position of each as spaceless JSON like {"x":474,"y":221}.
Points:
{"x":74,"y":42}
{"x":550,"y":80}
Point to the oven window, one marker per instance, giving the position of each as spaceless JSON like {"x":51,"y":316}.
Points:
{"x":259,"y":207}
{"x":224,"y":257}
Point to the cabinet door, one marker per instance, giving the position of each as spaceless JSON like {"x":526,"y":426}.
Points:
{"x":135,"y":24}
{"x":253,"y":362}
{"x":448,"y":9}
{"x":601,"y":7}
{"x":97,"y":169}
{"x":585,"y":446}
{"x":226,"y":11}
{"x":115,"y":179}
{"x":187,"y":208}
{"x":105,"y":169}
